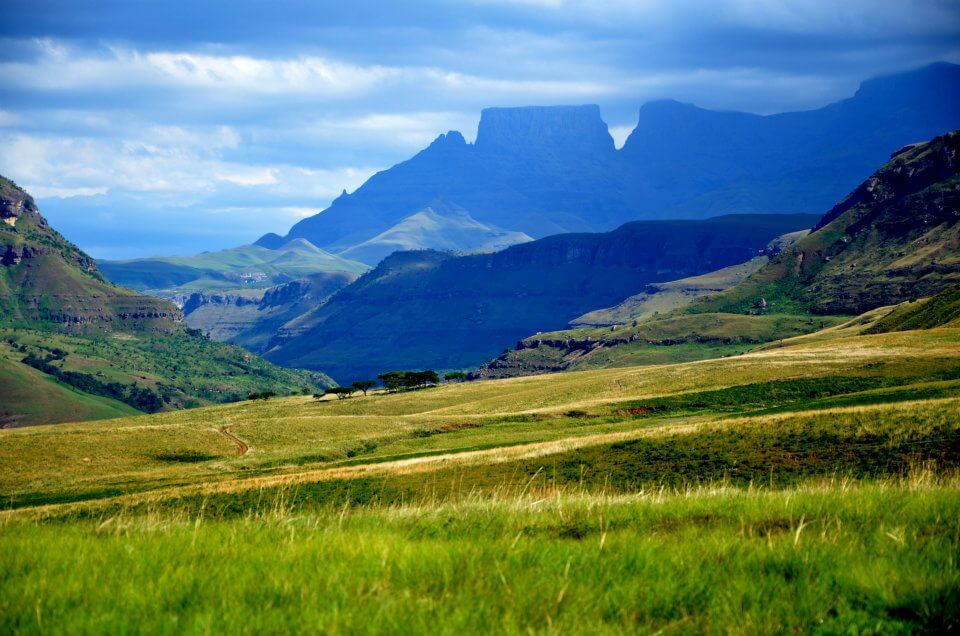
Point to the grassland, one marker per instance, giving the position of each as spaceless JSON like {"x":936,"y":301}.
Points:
{"x":42,"y":399}
{"x":809,"y":486}
{"x":236,"y":269}
{"x":180,"y":369}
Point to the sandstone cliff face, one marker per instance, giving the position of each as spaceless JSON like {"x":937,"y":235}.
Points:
{"x":255,"y":322}
{"x":197,"y":300}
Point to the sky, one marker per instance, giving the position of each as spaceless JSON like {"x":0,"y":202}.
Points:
{"x":147,"y":128}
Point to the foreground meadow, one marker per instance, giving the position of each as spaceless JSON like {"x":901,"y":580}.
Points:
{"x":834,"y":556}
{"x":811,"y":486}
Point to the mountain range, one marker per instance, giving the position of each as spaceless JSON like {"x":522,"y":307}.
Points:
{"x":538,"y":171}
{"x":248,"y":267}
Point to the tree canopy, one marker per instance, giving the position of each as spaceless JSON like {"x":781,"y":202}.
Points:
{"x":406,"y":380}
{"x":364,"y":385}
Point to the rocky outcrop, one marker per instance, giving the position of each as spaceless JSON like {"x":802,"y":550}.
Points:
{"x":10,"y":210}
{"x":199,"y":299}
{"x":544,"y":131}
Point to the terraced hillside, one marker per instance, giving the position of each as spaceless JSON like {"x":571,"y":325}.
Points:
{"x":640,"y":498}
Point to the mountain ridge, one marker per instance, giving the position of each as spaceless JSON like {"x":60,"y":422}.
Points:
{"x":893,"y":239}
{"x":439,"y":310}
{"x":546,"y":170}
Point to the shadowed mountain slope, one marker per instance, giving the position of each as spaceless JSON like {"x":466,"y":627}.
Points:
{"x":895,"y":238}
{"x":432,"y":309}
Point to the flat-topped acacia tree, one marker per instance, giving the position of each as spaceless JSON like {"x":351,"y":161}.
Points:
{"x":364,"y":385}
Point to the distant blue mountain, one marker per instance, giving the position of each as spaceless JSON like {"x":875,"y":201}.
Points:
{"x":547,"y":170}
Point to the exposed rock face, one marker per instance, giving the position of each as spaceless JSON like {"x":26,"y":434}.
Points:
{"x":10,"y":209}
{"x":544,"y":131}
{"x":199,"y":299}
{"x":254,"y":322}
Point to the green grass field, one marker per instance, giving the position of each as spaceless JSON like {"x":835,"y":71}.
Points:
{"x":183,"y":370}
{"x":809,"y":486}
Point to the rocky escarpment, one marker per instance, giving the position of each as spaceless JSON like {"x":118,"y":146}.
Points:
{"x":25,"y":233}
{"x":544,"y":131}
{"x":256,"y":322}
{"x":560,"y":352}
{"x":197,"y":300}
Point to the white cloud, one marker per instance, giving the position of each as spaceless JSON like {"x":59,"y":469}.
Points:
{"x":45,"y":192}
{"x":249,"y":74}
{"x":411,"y":131}
{"x":248,"y":176}
{"x":181,"y":170}
{"x":59,"y":67}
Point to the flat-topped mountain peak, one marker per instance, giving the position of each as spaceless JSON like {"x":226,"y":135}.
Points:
{"x":519,"y":129}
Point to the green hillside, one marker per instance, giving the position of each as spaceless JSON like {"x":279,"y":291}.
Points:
{"x":809,"y":486}
{"x":245,"y":267}
{"x":46,"y":279}
{"x":42,"y":400}
{"x":662,"y":298}
{"x":943,"y":310}
{"x":894,"y":238}
{"x":75,"y":346}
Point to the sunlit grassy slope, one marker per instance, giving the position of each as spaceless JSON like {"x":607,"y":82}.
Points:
{"x":809,"y":485}
{"x":42,"y":399}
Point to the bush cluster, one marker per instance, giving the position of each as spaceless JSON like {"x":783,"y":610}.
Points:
{"x":138,"y":397}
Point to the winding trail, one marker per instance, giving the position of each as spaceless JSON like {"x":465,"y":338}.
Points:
{"x":242,"y":447}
